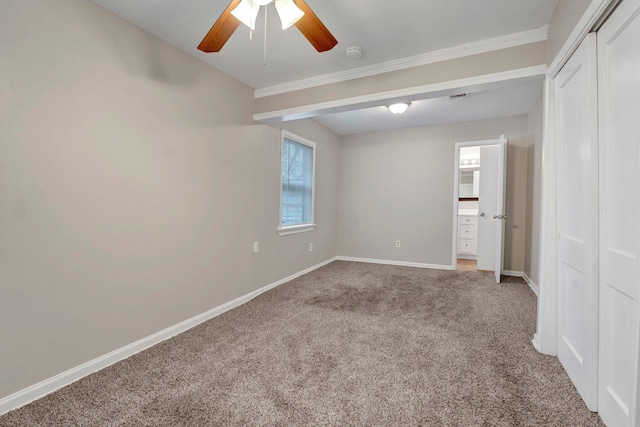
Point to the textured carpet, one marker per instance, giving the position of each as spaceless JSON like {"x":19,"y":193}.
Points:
{"x":348,"y":344}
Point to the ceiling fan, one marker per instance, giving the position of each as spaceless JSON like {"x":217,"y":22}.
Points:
{"x":291,"y":12}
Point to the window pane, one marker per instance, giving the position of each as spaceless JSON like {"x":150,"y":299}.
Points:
{"x":297,"y":183}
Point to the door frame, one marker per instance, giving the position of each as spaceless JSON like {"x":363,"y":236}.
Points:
{"x":456,"y":183}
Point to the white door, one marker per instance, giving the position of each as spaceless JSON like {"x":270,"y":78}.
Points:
{"x":486,"y":206}
{"x":491,"y":207}
{"x":577,"y":219}
{"x":500,"y":215}
{"x":619,"y":120}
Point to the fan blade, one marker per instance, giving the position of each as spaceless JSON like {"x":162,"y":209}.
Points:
{"x":221,"y":30}
{"x":313,"y":29}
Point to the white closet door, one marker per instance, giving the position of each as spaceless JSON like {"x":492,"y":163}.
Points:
{"x":619,"y":120}
{"x":577,"y":204}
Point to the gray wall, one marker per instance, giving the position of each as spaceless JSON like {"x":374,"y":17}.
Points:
{"x":398,"y":185}
{"x":534,"y":185}
{"x":132,"y":186}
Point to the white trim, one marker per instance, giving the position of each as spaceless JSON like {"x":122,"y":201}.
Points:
{"x":513,"y":273}
{"x":456,"y":201}
{"x":400,"y":263}
{"x":54,"y":383}
{"x":362,"y":101}
{"x":547,"y":321}
{"x":590,"y":17}
{"x":536,"y":343}
{"x":483,"y":46}
{"x":531,"y":284}
{"x":295,"y":229}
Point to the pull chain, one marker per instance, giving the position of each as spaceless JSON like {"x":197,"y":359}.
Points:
{"x":265,"y":35}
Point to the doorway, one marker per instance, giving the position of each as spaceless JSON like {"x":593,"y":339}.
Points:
{"x":468,"y":207}
{"x":478,"y":220}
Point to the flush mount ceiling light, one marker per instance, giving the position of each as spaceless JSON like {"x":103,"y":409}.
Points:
{"x":399,"y":108}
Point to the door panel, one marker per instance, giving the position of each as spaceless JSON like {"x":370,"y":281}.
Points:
{"x":500,"y":217}
{"x":489,"y":164}
{"x":577,"y":221}
{"x":619,"y":92}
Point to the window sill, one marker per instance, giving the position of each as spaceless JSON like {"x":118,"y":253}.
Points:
{"x":294,"y":229}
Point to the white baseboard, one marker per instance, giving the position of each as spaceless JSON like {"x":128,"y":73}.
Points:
{"x":513,"y":273}
{"x":536,"y":343}
{"x":531,"y":284}
{"x":401,"y":263}
{"x":52,"y":384}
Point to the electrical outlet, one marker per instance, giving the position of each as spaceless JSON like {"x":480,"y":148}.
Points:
{"x":310,"y":247}
{"x":256,"y":246}
{"x":397,"y":243}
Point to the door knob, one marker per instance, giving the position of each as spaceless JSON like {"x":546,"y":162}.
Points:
{"x":499,"y":217}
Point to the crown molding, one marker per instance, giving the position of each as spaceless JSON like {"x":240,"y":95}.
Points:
{"x":483,"y":46}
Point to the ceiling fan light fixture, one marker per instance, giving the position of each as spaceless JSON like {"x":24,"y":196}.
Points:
{"x":289,"y":13}
{"x":247,"y":12}
{"x":399,"y":108}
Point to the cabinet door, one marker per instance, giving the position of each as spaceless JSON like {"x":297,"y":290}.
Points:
{"x":467,"y":247}
{"x":465,"y":220}
{"x":467,"y":231}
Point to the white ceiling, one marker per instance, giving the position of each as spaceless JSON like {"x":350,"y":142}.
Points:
{"x":501,"y":102}
{"x":385,"y":30}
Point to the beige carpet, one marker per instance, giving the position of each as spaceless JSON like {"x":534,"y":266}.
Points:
{"x":348,"y":344}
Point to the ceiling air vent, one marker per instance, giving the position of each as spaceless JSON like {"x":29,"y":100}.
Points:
{"x":458,"y":96}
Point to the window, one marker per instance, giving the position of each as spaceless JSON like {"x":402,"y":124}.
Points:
{"x":298,"y":181}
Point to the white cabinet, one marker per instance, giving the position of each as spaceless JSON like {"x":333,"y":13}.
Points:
{"x":467,"y":236}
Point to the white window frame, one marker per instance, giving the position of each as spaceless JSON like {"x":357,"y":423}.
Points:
{"x":284,"y":230}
